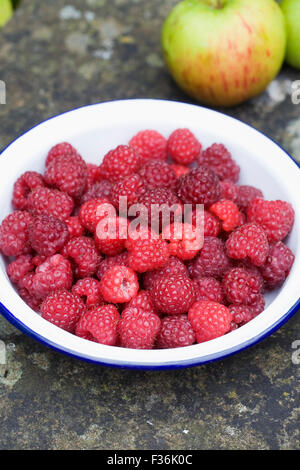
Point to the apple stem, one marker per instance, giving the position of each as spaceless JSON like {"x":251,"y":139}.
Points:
{"x":216,"y":3}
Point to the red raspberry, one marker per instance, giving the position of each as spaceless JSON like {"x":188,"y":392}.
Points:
{"x":157,"y":173}
{"x":209,"y":320}
{"x":212,"y":260}
{"x":150,"y":145}
{"x":67,"y":173}
{"x":176,"y":332}
{"x":119,"y":163}
{"x":131,"y":187}
{"x":241,"y":314}
{"x":241,"y":286}
{"x":258,"y":305}
{"x":110,"y":236}
{"x":229,"y":190}
{"x":14,"y":233}
{"x":86,"y":259}
{"x":75,"y":227}
{"x":89,"y":291}
{"x":138,"y":329}
{"x":39,"y":259}
{"x":54,"y":274}
{"x":119,"y":284}
{"x":32,"y":301}
{"x":183,"y":146}
{"x":245,"y":194}
{"x":172,"y":295}
{"x":162,"y":207}
{"x":94,"y":210}
{"x":199,"y":186}
{"x":99,"y":325}
{"x":92,"y":175}
{"x":208,"y":288}
{"x":99,"y":190}
{"x":173,"y":267}
{"x":208,"y":222}
{"x":63,"y":309}
{"x":275,"y":217}
{"x":23,"y":186}
{"x":147,"y":254}
{"x":219,"y":159}
{"x":179,"y":170}
{"x":64,"y":148}
{"x":18,"y":268}
{"x":248,"y":242}
{"x":185,"y":240}
{"x":278,"y":265}
{"x":110,"y":261}
{"x":229,"y":213}
{"x":142,"y":301}
{"x":50,"y":201}
{"x":47,"y":234}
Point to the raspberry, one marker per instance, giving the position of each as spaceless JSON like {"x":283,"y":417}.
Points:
{"x":258,"y":305}
{"x":278,"y":265}
{"x":32,"y":301}
{"x":200,"y":186}
{"x":110,"y":261}
{"x":131,"y":187}
{"x":183,"y":146}
{"x":138,"y":329}
{"x":157,"y":173}
{"x":67,"y":173}
{"x":110,"y":236}
{"x":248,"y":242}
{"x":212,"y":260}
{"x":176,"y":332}
{"x":241,"y":286}
{"x":162,"y":206}
{"x":142,"y":301}
{"x":184,"y":240}
{"x":38,"y":259}
{"x":92,"y":175}
{"x":209,"y":320}
{"x":241,"y":314}
{"x":52,"y":275}
{"x":229,"y":213}
{"x":245,"y":194}
{"x":86,"y":259}
{"x":229,"y":190}
{"x":89,"y":291}
{"x":179,"y":170}
{"x":64,"y":148}
{"x":119,"y":163}
{"x":14,"y":233}
{"x":119,"y":284}
{"x":173,"y":267}
{"x":150,"y":145}
{"x":99,"y":325}
{"x":92,"y":211}
{"x":173,"y":295}
{"x":211,"y":225}
{"x":47,"y":234}
{"x":208,"y":288}
{"x":18,"y":268}
{"x":63,"y":309}
{"x":219,"y":159}
{"x":147,"y":254}
{"x":23,"y":186}
{"x":275,"y":217}
{"x":50,"y":201}
{"x":75,"y":227}
{"x":99,"y":190}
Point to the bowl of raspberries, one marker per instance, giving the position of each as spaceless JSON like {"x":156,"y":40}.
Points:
{"x":148,"y":233}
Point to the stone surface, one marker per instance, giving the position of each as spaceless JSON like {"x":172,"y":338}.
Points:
{"x":59,"y":55}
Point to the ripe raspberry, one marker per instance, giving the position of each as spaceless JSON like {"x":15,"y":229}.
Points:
{"x":38,"y":259}
{"x":47,"y":234}
{"x":245,"y":194}
{"x":173,"y":295}
{"x":110,"y":261}
{"x":208,"y":288}
{"x":99,"y":325}
{"x":110,"y":236}
{"x":18,"y":268}
{"x":150,"y":145}
{"x":32,"y":301}
{"x":119,"y":284}
{"x":199,"y":186}
{"x":67,"y":173}
{"x":50,"y":201}
{"x":229,"y":213}
{"x":131,"y":187}
{"x":173,"y":267}
{"x":179,"y":170}
{"x":229,"y":190}
{"x":89,"y":291}
{"x":248,"y":242}
{"x":94,"y":210}
{"x":75,"y":227}
{"x":219,"y":159}
{"x":157,"y":173}
{"x":183,"y":146}
{"x":258,"y":305}
{"x":14,"y":233}
{"x":209,"y":320}
{"x":119,"y":163}
{"x":92,"y":175}
{"x":23,"y":186}
{"x":241,"y":286}
{"x":278,"y":265}
{"x":63,"y":309}
{"x":138,"y":329}
{"x":207,"y":222}
{"x":52,"y":275}
{"x":162,"y":207}
{"x":62,"y":149}
{"x":275,"y":217}
{"x":176,"y":332}
{"x":212,"y":260}
{"x":185,"y":240}
{"x":147,"y":254}
{"x":241,"y":314}
{"x":85,"y":258}
{"x":142,"y":301}
{"x":99,"y":190}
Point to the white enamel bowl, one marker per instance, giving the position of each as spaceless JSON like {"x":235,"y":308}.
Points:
{"x":94,"y":130}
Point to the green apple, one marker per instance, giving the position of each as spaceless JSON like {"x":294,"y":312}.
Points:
{"x":223,"y":52}
{"x":291,"y":11}
{"x":6,"y":11}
